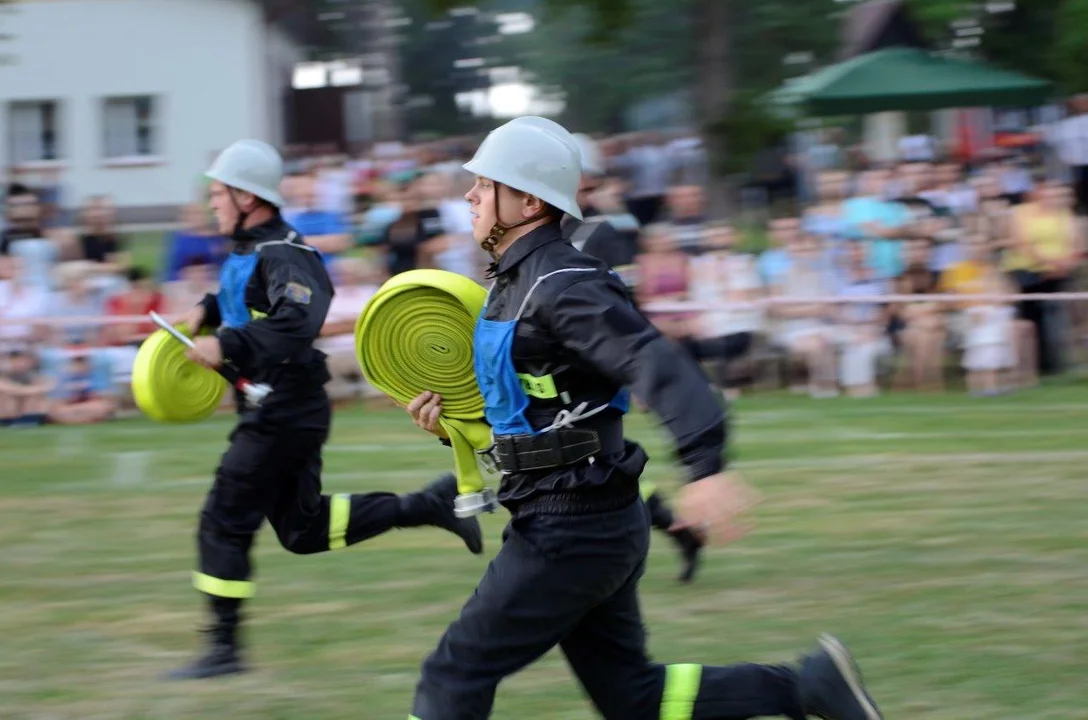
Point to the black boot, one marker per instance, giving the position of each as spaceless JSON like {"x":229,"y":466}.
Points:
{"x":689,"y":544}
{"x":433,"y":505}
{"x":831,"y":686}
{"x":222,"y":656}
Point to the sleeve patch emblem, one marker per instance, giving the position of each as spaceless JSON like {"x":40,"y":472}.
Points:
{"x":298,"y":293}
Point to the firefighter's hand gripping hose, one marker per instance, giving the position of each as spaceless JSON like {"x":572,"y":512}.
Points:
{"x":415,"y":335}
{"x":168,"y":387}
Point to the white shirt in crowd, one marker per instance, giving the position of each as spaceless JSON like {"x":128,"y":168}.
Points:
{"x":27,"y":303}
{"x":348,"y":302}
{"x":1070,"y":139}
{"x":725,"y":279}
{"x":917,"y":148}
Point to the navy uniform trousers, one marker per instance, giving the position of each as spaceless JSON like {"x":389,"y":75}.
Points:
{"x":274,"y":472}
{"x":572,"y":581}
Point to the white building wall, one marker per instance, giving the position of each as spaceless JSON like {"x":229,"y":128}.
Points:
{"x":203,"y":60}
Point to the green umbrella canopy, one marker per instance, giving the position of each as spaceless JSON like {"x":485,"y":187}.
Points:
{"x":908,"y":79}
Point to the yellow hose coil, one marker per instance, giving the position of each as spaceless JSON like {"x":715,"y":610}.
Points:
{"x":168,"y":387}
{"x":415,"y":335}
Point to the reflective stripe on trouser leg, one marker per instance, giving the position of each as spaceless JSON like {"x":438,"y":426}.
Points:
{"x":239,"y":589}
{"x":339,"y":515}
{"x":681,"y":688}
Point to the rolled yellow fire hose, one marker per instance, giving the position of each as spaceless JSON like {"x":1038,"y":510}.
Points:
{"x":168,"y":387}
{"x":416,"y":335}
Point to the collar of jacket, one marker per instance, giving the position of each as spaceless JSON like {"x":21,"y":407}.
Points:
{"x":526,"y":245}
{"x":273,"y":229}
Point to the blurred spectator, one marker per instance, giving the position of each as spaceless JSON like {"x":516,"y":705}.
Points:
{"x":24,"y":390}
{"x":862,"y":326}
{"x":75,"y":305}
{"x":419,"y":221}
{"x":1046,"y":249}
{"x":323,"y":229}
{"x":663,"y":276}
{"x":804,"y":328}
{"x":196,"y":242}
{"x":357,"y":283}
{"x":81,"y":396}
{"x":647,"y":168}
{"x":21,"y":303}
{"x":195,"y":279}
{"x":99,"y":242}
{"x":989,"y":337}
{"x":138,"y":299}
{"x":25,"y":236}
{"x":687,"y":217}
{"x":881,"y":223}
{"x":918,"y":327}
{"x":725,"y":278}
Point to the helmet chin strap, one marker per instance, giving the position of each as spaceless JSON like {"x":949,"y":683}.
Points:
{"x":498,"y":230}
{"x":240,"y":223}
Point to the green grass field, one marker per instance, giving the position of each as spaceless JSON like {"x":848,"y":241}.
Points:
{"x":943,"y":538}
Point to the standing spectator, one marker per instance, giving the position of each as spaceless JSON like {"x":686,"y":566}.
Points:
{"x":99,"y":242}
{"x":1046,"y":250}
{"x":687,"y":217}
{"x":1069,"y":138}
{"x":356,"y":284}
{"x":25,"y":236}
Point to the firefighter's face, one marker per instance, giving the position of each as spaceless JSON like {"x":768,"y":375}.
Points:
{"x":481,"y":202}
{"x":227,"y":205}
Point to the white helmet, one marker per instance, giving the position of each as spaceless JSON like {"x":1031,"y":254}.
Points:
{"x":252,"y":166}
{"x":592,"y":161}
{"x":533,"y":155}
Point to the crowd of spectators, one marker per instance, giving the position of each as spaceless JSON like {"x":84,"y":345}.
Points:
{"x":829,"y":248}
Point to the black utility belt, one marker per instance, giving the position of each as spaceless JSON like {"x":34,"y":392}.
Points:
{"x":556,"y":448}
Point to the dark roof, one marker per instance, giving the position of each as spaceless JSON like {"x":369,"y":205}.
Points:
{"x":877,"y":24}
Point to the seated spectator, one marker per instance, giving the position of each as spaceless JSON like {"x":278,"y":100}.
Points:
{"x":804,"y":329}
{"x":723,"y":277}
{"x":918,"y":327}
{"x":24,"y":390}
{"x":663,"y":277}
{"x":20,"y":300}
{"x":195,"y":241}
{"x":862,"y":326}
{"x":81,"y":395}
{"x":123,"y":340}
{"x":75,"y":305}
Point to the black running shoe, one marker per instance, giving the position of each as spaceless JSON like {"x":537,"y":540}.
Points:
{"x":831,"y":686}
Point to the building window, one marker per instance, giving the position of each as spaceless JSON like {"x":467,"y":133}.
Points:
{"x":131,"y":127}
{"x":33,"y":129}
